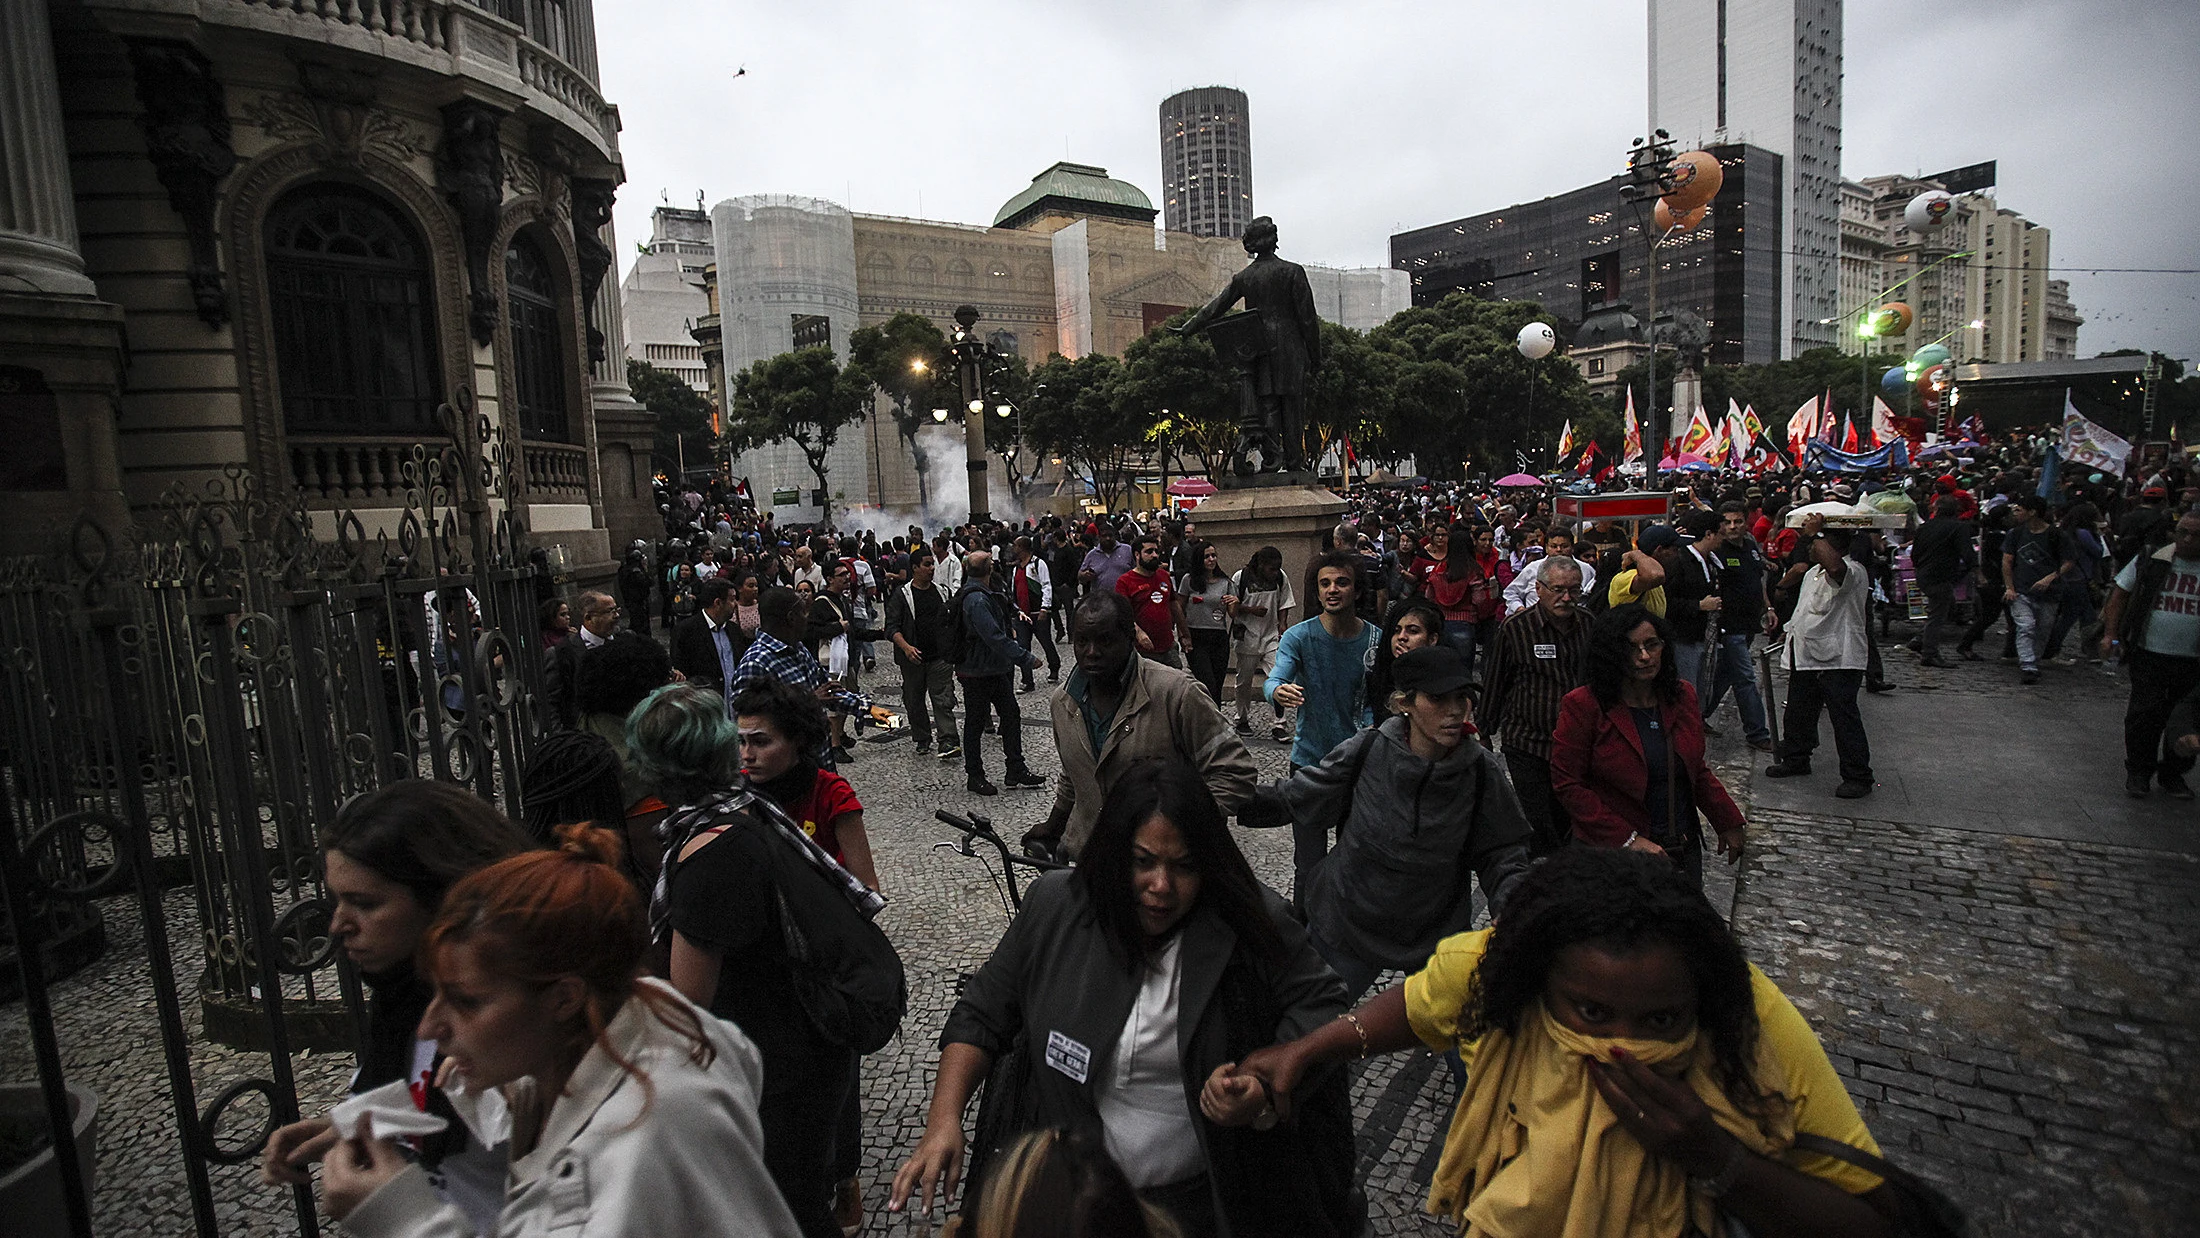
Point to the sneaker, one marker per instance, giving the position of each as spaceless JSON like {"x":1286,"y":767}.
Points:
{"x":1023,"y":780}
{"x":1853,"y":789}
{"x":1054,"y":677}
{"x":1787,"y":769}
{"x":1879,"y":689}
{"x":949,"y":750}
{"x":2138,"y":786}
{"x":1280,"y":733}
{"x":2173,"y":785}
{"x":869,"y":664}
{"x":979,"y":786}
{"x":1244,"y":727}
{"x":924,"y":749}
{"x":841,"y":756}
{"x":2032,"y":676}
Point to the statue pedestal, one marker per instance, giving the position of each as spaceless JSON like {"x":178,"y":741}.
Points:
{"x":1291,"y":517}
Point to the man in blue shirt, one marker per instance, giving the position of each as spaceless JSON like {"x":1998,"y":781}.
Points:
{"x":1104,"y":562}
{"x":1321,"y":670}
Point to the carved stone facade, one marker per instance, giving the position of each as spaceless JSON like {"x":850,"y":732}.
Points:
{"x":191,"y":140}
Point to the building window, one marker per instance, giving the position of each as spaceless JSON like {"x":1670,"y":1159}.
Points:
{"x":353,"y":318}
{"x":538,"y":362}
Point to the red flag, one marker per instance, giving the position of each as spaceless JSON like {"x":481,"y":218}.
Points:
{"x":1848,"y":435}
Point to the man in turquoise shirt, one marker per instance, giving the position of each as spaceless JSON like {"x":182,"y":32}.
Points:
{"x":1322,"y":662}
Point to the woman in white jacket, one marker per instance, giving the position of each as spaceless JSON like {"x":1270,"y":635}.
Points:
{"x":631,"y":1111}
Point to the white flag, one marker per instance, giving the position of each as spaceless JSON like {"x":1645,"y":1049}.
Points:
{"x":2086,"y":443}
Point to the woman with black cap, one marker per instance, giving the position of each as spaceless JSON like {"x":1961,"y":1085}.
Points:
{"x":1418,"y":807}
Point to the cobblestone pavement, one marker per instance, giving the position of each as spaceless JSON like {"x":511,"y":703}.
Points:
{"x":2012,"y":1012}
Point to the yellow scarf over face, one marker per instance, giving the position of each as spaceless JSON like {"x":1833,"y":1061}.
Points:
{"x":1534,"y":1152}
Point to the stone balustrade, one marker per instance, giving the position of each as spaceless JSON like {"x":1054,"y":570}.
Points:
{"x":332,"y":471}
{"x":556,"y":470}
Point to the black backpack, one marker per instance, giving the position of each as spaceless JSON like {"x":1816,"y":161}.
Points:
{"x":954,"y":629}
{"x":847,"y":975}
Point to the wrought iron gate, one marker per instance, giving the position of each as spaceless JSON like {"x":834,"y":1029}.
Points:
{"x":191,"y":701}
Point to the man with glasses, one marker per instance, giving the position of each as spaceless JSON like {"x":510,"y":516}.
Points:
{"x":1538,"y":656}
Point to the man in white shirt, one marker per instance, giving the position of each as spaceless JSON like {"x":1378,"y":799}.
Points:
{"x":1557,"y":544}
{"x":1827,"y":651}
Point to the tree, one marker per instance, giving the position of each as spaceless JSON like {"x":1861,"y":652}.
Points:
{"x":683,"y":416}
{"x":1352,"y":395}
{"x":1464,"y":391}
{"x":803,"y":397}
{"x":902,"y":359}
{"x":1181,"y":392}
{"x":1074,"y":414}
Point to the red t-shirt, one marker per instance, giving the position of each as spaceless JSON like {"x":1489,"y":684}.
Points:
{"x":1150,"y":597}
{"x":830,"y":799}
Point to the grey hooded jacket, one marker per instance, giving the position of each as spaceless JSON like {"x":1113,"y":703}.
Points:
{"x":1409,"y":833}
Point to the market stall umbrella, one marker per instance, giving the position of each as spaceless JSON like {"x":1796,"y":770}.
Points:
{"x":1519,"y":480}
{"x":1191,"y":487}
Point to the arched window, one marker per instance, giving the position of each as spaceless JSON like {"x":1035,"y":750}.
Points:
{"x":352,"y":314}
{"x":538,"y":360}
{"x":920,"y":270}
{"x":960,"y":270}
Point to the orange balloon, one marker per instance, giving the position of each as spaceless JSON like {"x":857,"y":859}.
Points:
{"x":1696,"y":180}
{"x":1893,"y":318}
{"x":1668,"y":219}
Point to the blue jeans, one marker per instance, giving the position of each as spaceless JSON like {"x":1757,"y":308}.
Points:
{"x":1460,"y":636}
{"x":1688,"y":660}
{"x":1738,"y":670}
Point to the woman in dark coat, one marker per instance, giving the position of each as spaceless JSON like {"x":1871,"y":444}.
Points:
{"x":1118,"y":997}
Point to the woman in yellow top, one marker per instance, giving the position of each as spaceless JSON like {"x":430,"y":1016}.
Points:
{"x":1629,"y":1072}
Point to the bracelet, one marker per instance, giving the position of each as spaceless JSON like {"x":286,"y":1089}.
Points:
{"x":1629,"y":841}
{"x":1357,"y":1026}
{"x":1723,"y":1181}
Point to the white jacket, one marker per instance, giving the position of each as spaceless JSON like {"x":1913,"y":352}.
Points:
{"x":691,"y":1164}
{"x":1827,"y":630}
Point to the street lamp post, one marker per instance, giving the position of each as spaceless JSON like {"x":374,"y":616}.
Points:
{"x":969,"y":353}
{"x":1649,"y":177}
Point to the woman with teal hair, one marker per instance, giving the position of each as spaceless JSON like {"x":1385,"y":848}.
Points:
{"x":731,"y":857}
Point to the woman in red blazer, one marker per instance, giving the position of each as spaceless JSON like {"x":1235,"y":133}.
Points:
{"x":1627,"y":757}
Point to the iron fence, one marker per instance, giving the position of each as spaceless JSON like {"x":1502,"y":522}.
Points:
{"x":192,"y":700}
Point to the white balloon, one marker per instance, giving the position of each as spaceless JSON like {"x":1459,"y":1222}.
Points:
{"x":1929,"y":210}
{"x":1537,"y":340}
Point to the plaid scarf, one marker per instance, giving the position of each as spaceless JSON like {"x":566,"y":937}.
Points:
{"x":682,"y":827}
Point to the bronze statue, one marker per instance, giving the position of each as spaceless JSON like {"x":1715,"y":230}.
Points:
{"x":1279,"y":360}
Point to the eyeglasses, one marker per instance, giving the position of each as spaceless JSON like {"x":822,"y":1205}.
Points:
{"x":1652,"y":646}
{"x":1564,"y":591}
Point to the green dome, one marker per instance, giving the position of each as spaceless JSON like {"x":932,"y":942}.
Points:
{"x":1078,"y":188}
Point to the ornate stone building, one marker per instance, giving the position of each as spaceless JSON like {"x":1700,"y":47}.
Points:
{"x":277,"y":237}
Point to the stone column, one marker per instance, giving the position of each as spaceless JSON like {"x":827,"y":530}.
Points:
{"x":626,"y":431}
{"x":38,"y":248}
{"x":60,"y":345}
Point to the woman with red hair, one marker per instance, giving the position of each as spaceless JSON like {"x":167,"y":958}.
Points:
{"x":632,"y":1112}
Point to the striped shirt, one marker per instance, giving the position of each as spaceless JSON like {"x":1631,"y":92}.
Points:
{"x":1534,"y":662}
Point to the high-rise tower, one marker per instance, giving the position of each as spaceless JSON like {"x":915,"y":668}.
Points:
{"x":1768,"y":73}
{"x":1206,"y":162}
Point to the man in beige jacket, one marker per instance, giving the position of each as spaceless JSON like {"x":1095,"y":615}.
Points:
{"x":1117,"y":709}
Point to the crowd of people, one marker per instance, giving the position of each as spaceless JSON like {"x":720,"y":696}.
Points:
{"x":644,"y":1007}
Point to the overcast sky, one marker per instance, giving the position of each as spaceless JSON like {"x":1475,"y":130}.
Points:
{"x":1372,"y":117}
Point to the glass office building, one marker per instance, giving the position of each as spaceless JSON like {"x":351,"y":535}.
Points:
{"x":1584,"y":250}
